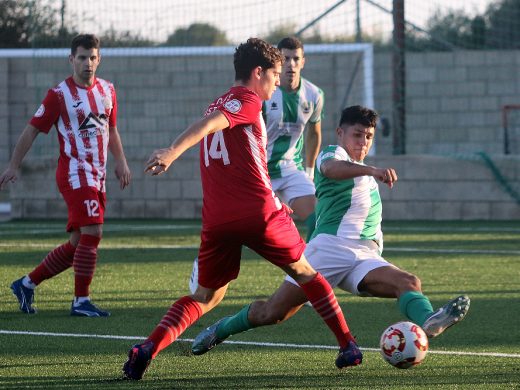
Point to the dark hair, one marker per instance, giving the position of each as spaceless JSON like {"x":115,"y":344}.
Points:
{"x":87,"y":41}
{"x":255,"y":52}
{"x":358,"y":114}
{"x":291,"y":43}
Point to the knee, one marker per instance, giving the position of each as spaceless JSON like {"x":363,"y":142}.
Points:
{"x":92,"y":230}
{"x":208,"y":298}
{"x":301,"y":271}
{"x":410,"y":282}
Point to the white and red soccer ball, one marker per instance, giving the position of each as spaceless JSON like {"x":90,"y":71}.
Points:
{"x":404,"y":344}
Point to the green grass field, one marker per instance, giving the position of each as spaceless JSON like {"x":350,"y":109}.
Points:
{"x":144,"y":266}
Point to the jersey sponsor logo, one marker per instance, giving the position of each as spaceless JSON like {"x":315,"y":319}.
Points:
{"x":233,"y":106}
{"x":93,"y":125}
{"x":41,"y":110}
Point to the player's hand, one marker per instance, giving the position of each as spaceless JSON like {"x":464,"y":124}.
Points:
{"x":123,"y":173}
{"x":159,"y":161}
{"x":9,"y":176}
{"x":386,"y":175}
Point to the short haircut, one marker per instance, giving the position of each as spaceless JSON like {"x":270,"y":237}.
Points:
{"x":255,"y":52}
{"x":290,"y":43}
{"x":87,"y":41}
{"x":358,"y":114}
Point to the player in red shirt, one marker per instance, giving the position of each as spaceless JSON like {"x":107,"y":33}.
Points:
{"x":239,"y":208}
{"x":83,"y":109}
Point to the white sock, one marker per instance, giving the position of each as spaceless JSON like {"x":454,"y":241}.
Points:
{"x":27,"y":282}
{"x":79,"y":300}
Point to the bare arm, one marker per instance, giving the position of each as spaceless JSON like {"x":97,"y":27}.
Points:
{"x":23,"y":145}
{"x":312,"y":146}
{"x":121,"y":167}
{"x":161,"y":159}
{"x":341,"y":170}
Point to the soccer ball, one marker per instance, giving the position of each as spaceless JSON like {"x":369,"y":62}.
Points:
{"x":404,"y":344}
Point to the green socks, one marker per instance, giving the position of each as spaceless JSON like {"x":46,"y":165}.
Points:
{"x":234,"y":324}
{"x":415,"y":306}
{"x":310,"y":223}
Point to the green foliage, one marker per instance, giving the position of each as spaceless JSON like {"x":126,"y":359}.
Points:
{"x":497,"y":28}
{"x":140,"y":273}
{"x":113,"y":38}
{"x":25,"y":23}
{"x":198,"y":34}
{"x":504,"y":25}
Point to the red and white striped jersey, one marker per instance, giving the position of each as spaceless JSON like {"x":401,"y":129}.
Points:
{"x":233,"y":162}
{"x":82,"y":117}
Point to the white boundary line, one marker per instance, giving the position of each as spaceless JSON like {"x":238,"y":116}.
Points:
{"x":108,"y":227}
{"x":105,"y":245}
{"x":253,"y":343}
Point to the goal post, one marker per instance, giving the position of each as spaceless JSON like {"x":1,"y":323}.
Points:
{"x":511,"y":128}
{"x":344,"y":71}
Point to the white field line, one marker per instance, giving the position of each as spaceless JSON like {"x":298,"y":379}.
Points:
{"x":253,"y":343}
{"x":12,"y":228}
{"x":105,"y":245}
{"x":16,"y":229}
{"x":469,"y":251}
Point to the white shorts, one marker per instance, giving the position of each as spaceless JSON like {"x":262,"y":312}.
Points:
{"x":293,"y":186}
{"x":343,"y":262}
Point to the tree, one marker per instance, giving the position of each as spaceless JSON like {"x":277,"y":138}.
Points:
{"x":26,"y":23}
{"x":504,"y":26}
{"x":497,"y":28}
{"x":113,"y":38}
{"x":284,"y":30}
{"x":198,"y":34}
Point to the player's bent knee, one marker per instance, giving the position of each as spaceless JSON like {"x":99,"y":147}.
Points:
{"x":207,"y":298}
{"x":410,"y":282}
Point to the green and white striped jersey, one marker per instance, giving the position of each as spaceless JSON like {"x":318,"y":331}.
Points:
{"x":286,"y":115}
{"x":348,"y":208}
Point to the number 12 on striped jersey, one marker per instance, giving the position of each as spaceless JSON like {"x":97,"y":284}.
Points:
{"x":92,"y":206}
{"x":217,"y":149}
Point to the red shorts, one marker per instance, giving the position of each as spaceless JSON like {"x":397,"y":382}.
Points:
{"x":86,"y":206}
{"x":273,"y":236}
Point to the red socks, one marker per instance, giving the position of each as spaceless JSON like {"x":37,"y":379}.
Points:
{"x":56,"y":261}
{"x":85,"y":264}
{"x":324,"y":301}
{"x":181,"y":315}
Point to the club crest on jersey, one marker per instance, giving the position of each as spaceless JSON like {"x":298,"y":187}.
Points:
{"x":233,"y":106}
{"x":306,"y":107}
{"x":41,"y":110}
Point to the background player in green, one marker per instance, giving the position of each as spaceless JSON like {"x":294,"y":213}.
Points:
{"x":347,"y":243}
{"x":296,"y":107}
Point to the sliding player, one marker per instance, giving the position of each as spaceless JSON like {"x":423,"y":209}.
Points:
{"x":347,"y":244}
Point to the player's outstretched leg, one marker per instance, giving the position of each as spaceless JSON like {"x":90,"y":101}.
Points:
{"x":24,"y":295}
{"x":452,"y":312}
{"x":349,"y":356}
{"x":207,"y":339}
{"x":139,"y":358}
